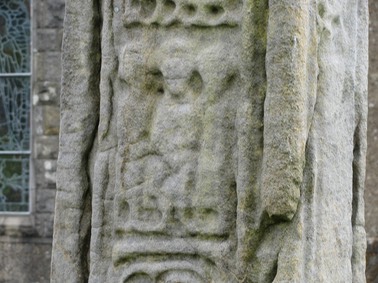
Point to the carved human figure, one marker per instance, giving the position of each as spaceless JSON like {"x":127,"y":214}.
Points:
{"x":212,"y":141}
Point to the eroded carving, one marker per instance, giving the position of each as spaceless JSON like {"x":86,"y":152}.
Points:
{"x":185,"y":12}
{"x":170,"y":271}
{"x":176,"y":191}
{"x":224,"y":142}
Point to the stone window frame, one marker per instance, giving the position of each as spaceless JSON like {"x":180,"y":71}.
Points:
{"x":14,"y":222}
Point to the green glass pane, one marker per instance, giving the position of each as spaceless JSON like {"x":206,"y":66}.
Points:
{"x":14,"y":113}
{"x":14,"y":183}
{"x":14,"y":36}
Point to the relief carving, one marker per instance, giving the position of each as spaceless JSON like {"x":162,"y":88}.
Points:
{"x":178,"y":186}
{"x":206,"y":13}
{"x":211,"y":141}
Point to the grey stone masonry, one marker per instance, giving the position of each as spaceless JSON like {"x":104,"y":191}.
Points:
{"x":47,"y":41}
{"x":25,"y":241}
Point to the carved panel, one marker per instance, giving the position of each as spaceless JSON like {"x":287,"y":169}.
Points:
{"x":176,"y":201}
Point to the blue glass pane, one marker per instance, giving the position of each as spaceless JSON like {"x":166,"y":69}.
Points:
{"x":14,"y":113}
{"x":14,"y":185}
{"x":14,"y":36}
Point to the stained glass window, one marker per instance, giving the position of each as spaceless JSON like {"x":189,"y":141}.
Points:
{"x":15,"y":36}
{"x":14,"y":175}
{"x":14,"y":114}
{"x":15,"y":77}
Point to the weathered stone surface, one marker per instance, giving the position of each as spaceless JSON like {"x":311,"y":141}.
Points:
{"x":51,"y":120}
{"x":48,"y":39}
{"x":46,"y":147}
{"x":46,"y":120}
{"x":18,"y":256}
{"x":43,"y":69}
{"x":50,"y":13}
{"x":212,"y":141}
{"x":45,"y":201}
{"x":47,"y":92}
{"x":371,"y":195}
{"x":45,"y":173}
{"x":44,"y":224}
{"x":372,"y":261}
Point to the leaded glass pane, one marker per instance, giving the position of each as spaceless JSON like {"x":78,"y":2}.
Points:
{"x":14,"y":36}
{"x":14,"y":113}
{"x":14,"y":185}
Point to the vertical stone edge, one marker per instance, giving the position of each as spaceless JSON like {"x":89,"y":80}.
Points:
{"x":250,"y":133}
{"x":360,"y":145}
{"x":289,"y":104}
{"x":102,"y":157}
{"x":79,"y":119}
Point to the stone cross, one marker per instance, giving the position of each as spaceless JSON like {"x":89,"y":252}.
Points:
{"x":212,"y":141}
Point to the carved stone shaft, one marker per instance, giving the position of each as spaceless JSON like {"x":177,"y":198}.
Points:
{"x":212,"y":141}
